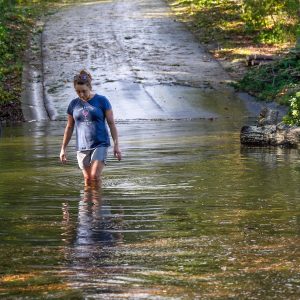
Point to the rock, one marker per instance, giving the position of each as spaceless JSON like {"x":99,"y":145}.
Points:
{"x":269,"y":133}
{"x":268,"y":117}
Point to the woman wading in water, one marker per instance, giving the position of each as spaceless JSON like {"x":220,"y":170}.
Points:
{"x":88,"y":114}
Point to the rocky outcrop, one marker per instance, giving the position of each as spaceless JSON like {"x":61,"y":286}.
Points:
{"x":268,"y":132}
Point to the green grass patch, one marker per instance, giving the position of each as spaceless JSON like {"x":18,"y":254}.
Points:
{"x":275,"y":81}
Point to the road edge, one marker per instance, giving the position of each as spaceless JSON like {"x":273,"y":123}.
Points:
{"x":34,"y":104}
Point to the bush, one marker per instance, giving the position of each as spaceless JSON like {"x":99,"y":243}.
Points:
{"x":16,"y":23}
{"x":273,"y":20}
{"x":274,"y":81}
{"x":293,"y":116}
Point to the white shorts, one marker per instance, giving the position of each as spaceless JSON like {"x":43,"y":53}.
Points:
{"x":85,"y":157}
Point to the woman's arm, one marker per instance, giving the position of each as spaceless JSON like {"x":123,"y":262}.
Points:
{"x":114,"y":133}
{"x":67,"y":136}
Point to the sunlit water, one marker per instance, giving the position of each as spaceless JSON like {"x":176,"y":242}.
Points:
{"x":188,"y":214}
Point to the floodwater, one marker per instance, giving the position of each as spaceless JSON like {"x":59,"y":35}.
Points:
{"x":188,"y":214}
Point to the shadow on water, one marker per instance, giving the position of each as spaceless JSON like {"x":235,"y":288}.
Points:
{"x":188,"y":214}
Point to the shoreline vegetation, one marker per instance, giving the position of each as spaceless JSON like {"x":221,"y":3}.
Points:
{"x":17,"y":24}
{"x":253,"y":40}
{"x":256,"y":43}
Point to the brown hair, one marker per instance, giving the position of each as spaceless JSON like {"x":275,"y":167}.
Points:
{"x":84,"y":77}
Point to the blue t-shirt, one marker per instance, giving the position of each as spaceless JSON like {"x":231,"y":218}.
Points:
{"x":89,"y":116}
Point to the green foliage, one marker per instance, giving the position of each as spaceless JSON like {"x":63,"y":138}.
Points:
{"x":213,"y":20}
{"x":16,"y":24}
{"x":272,"y":81}
{"x":272,"y":20}
{"x":262,"y":21}
{"x":208,"y":3}
{"x":293,"y":116}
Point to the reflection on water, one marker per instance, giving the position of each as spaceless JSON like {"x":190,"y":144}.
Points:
{"x":96,"y":223}
{"x":188,"y":214}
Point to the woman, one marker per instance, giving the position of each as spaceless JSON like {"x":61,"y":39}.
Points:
{"x":88,"y":114}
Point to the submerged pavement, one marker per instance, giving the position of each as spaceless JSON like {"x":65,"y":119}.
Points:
{"x":146,"y":63}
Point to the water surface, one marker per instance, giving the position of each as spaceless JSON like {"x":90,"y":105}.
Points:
{"x":188,"y":214}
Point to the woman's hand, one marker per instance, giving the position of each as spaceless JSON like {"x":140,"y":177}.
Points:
{"x":63,"y":156}
{"x":117,"y":152}
{"x":113,"y":130}
{"x":67,"y":136}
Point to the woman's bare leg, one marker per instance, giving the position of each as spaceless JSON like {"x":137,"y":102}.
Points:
{"x":87,"y":176}
{"x":97,"y":167}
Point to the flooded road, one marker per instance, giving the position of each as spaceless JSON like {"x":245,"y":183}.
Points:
{"x":188,"y":213}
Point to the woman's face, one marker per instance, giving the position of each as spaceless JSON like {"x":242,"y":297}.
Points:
{"x":83,"y":91}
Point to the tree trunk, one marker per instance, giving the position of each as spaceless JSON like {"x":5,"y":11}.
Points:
{"x":258,"y":59}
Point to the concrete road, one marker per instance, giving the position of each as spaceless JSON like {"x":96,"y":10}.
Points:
{"x":146,"y":63}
